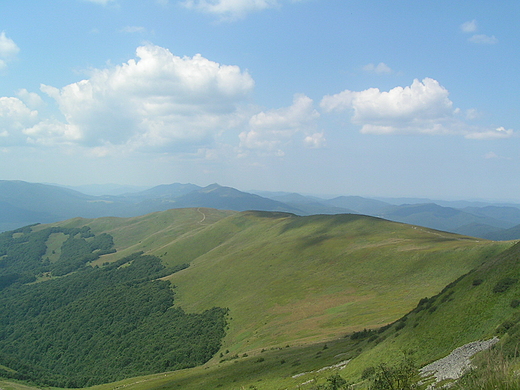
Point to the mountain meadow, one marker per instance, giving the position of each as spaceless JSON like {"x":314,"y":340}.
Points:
{"x":201,"y":298}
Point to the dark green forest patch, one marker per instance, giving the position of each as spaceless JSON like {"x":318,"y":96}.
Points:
{"x":93,"y":325}
{"x":23,"y":253}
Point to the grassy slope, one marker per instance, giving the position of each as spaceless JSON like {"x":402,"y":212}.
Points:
{"x":464,"y":312}
{"x":293,"y":280}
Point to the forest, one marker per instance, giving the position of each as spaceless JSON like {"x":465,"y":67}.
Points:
{"x":89,"y":325}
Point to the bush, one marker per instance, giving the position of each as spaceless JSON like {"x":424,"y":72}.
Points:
{"x":334,"y":382}
{"x":402,"y":376}
{"x":368,"y":373}
{"x":504,"y":284}
{"x":362,"y":334}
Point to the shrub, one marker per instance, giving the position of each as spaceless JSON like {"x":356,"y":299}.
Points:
{"x":363,"y":334}
{"x":402,"y":376}
{"x":504,"y":284}
{"x":368,"y":372}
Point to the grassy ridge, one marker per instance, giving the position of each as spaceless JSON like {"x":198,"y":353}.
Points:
{"x":298,"y":281}
{"x":293,"y":279}
{"x":289,"y":279}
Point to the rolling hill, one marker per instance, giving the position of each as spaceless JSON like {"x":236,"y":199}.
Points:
{"x":295,"y":288}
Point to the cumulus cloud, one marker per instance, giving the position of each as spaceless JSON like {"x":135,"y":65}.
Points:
{"x":15,"y":117}
{"x":483,"y":39}
{"x":497,"y":133}
{"x":472,"y":114}
{"x":8,"y":50}
{"x":469,"y":27}
{"x":315,"y":141}
{"x":380,"y":68}
{"x":423,"y":107}
{"x":231,"y":9}
{"x":32,"y":99}
{"x":156,"y":102}
{"x":51,"y":132}
{"x":270,"y":130}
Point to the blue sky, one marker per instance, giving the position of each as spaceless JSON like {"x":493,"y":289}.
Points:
{"x":371,"y":98}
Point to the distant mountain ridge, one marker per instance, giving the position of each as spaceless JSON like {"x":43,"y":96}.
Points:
{"x":23,"y":203}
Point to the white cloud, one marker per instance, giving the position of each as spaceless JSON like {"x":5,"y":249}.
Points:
{"x":498,"y":133}
{"x":50,"y":132}
{"x":32,"y":99}
{"x":315,"y":141}
{"x":469,"y":27}
{"x":157,"y":102}
{"x":494,"y":156}
{"x":483,"y":39}
{"x":230,"y":9}
{"x":422,"y":108}
{"x":270,"y":130}
{"x":8,"y":50}
{"x":472,"y":114}
{"x":380,"y":68}
{"x":15,"y":117}
{"x":133,"y":29}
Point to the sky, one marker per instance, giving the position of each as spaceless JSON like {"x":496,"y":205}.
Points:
{"x":371,"y":98}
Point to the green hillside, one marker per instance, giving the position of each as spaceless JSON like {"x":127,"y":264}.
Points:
{"x":293,"y":287}
{"x":482,"y":304}
{"x":311,"y":278}
{"x":292,"y":279}
{"x":477,"y":306}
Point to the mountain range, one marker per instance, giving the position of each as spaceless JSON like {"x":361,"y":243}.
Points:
{"x":23,"y":203}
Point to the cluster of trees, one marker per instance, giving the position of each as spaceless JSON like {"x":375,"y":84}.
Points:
{"x":22,"y":252}
{"x":98,"y":324}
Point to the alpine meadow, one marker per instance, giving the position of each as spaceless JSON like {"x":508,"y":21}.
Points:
{"x":206,"y":298}
{"x":259,"y":194}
